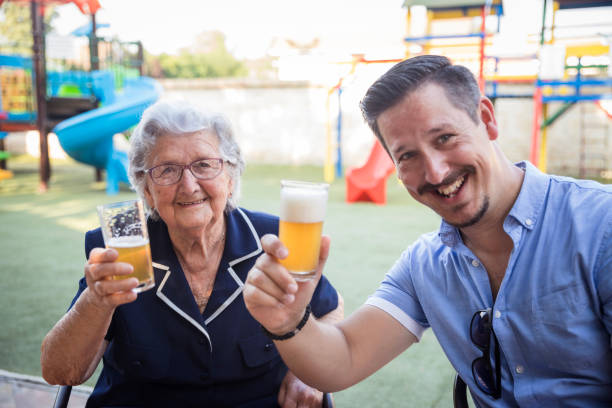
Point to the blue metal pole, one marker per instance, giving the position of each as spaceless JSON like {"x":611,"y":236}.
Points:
{"x":339,"y":136}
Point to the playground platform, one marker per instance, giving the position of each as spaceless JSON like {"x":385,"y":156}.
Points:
{"x":26,"y":391}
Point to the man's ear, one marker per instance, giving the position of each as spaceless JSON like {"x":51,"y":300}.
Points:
{"x":487,"y":115}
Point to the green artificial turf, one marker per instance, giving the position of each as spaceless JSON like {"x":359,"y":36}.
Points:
{"x":42,"y":258}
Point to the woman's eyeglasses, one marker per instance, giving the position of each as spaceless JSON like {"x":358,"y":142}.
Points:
{"x":203,"y":169}
{"x":481,"y":328}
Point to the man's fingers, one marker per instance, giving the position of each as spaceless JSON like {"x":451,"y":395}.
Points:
{"x":255,"y":297}
{"x":273,"y":246}
{"x":269,"y":266}
{"x":264,"y":283}
{"x":324,"y":251}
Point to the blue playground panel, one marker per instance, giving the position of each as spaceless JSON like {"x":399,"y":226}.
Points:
{"x":88,"y":137}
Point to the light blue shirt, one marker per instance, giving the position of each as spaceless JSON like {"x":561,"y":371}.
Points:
{"x":553,"y":312}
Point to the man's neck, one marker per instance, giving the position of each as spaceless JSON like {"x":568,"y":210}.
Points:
{"x":488,"y":234}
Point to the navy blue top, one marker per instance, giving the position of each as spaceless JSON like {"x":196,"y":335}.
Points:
{"x":163,"y":352}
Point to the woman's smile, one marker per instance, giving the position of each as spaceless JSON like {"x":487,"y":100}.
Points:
{"x":192,"y":203}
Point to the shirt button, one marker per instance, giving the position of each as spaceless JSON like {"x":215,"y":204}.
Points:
{"x":497,"y":314}
{"x":519,"y":369}
{"x":475,"y":263}
{"x":268,"y":347}
{"x":528,"y":221}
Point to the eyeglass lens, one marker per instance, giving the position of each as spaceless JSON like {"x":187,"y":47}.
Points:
{"x":483,"y":374}
{"x":480,"y":329}
{"x":171,"y":173}
{"x":480,"y":333}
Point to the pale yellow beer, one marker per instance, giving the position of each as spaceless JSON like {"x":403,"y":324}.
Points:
{"x":304,"y":241}
{"x":136,"y":251}
{"x":303,"y":207}
{"x":124,"y":228}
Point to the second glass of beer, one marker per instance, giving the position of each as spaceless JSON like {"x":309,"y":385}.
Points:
{"x":303,"y":207}
{"x":124,"y":228}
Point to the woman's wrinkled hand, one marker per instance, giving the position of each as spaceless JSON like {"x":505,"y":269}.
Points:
{"x":294,"y":393}
{"x":104,"y":291}
{"x":271,"y":294}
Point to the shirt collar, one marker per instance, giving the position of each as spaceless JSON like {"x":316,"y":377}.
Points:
{"x":241,"y":243}
{"x":526,"y":209}
{"x":243,"y":237}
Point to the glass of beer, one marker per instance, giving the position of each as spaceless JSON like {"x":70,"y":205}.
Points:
{"x":124,"y":228}
{"x":303,"y":207}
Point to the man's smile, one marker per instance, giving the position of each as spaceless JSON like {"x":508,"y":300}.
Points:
{"x":452,"y":189}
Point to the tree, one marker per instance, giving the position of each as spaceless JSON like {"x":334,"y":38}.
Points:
{"x":16,"y":27}
{"x":207,"y":58}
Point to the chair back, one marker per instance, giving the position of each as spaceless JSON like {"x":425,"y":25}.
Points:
{"x":62,"y":396}
{"x":459,"y":393}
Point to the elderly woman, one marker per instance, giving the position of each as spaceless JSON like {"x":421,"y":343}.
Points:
{"x":190,"y":341}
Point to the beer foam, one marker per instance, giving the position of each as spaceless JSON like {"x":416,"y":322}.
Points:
{"x":127,"y":242}
{"x":303,"y":205}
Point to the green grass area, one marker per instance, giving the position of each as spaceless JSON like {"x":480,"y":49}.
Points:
{"x":42,"y":258}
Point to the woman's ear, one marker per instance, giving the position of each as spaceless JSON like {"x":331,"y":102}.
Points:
{"x":487,"y":115}
{"x":149,"y":196}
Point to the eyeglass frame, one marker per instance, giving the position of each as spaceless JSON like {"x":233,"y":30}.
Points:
{"x":186,"y":166}
{"x":486,"y":355}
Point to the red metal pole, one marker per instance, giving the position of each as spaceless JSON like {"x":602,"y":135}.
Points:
{"x":535,"y":133}
{"x":481,"y":80}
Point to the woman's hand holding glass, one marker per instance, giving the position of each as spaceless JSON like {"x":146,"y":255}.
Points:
{"x":104,"y":291}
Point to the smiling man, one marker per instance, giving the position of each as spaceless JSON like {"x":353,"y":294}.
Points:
{"x":516,"y":284}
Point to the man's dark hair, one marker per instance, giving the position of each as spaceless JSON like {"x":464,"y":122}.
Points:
{"x":407,"y":76}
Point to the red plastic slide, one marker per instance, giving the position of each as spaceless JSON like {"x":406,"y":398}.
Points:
{"x":369,"y":182}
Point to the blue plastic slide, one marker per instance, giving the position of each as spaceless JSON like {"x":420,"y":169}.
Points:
{"x":88,"y":137}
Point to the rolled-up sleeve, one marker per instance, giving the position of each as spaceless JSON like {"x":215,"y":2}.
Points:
{"x":396,"y":296}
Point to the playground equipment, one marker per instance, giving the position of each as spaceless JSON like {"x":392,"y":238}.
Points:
{"x":86,"y":108}
{"x":369,"y":182}
{"x":575,"y":82}
{"x":328,"y":171}
{"x":557,"y":80}
{"x":583,"y":64}
{"x":466,"y":48}
{"x":88,"y":137}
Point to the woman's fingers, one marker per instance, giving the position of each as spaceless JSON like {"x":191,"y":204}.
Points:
{"x":103,"y":271}
{"x":98,"y":255}
{"x":109,"y":287}
{"x":100,"y":272}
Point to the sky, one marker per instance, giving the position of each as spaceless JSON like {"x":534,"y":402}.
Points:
{"x":249,"y":26}
{"x":344,"y":27}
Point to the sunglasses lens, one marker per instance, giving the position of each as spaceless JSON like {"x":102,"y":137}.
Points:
{"x":480,"y":329}
{"x":483,"y":374}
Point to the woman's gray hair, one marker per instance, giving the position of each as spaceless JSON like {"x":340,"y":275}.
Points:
{"x":177,"y":117}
